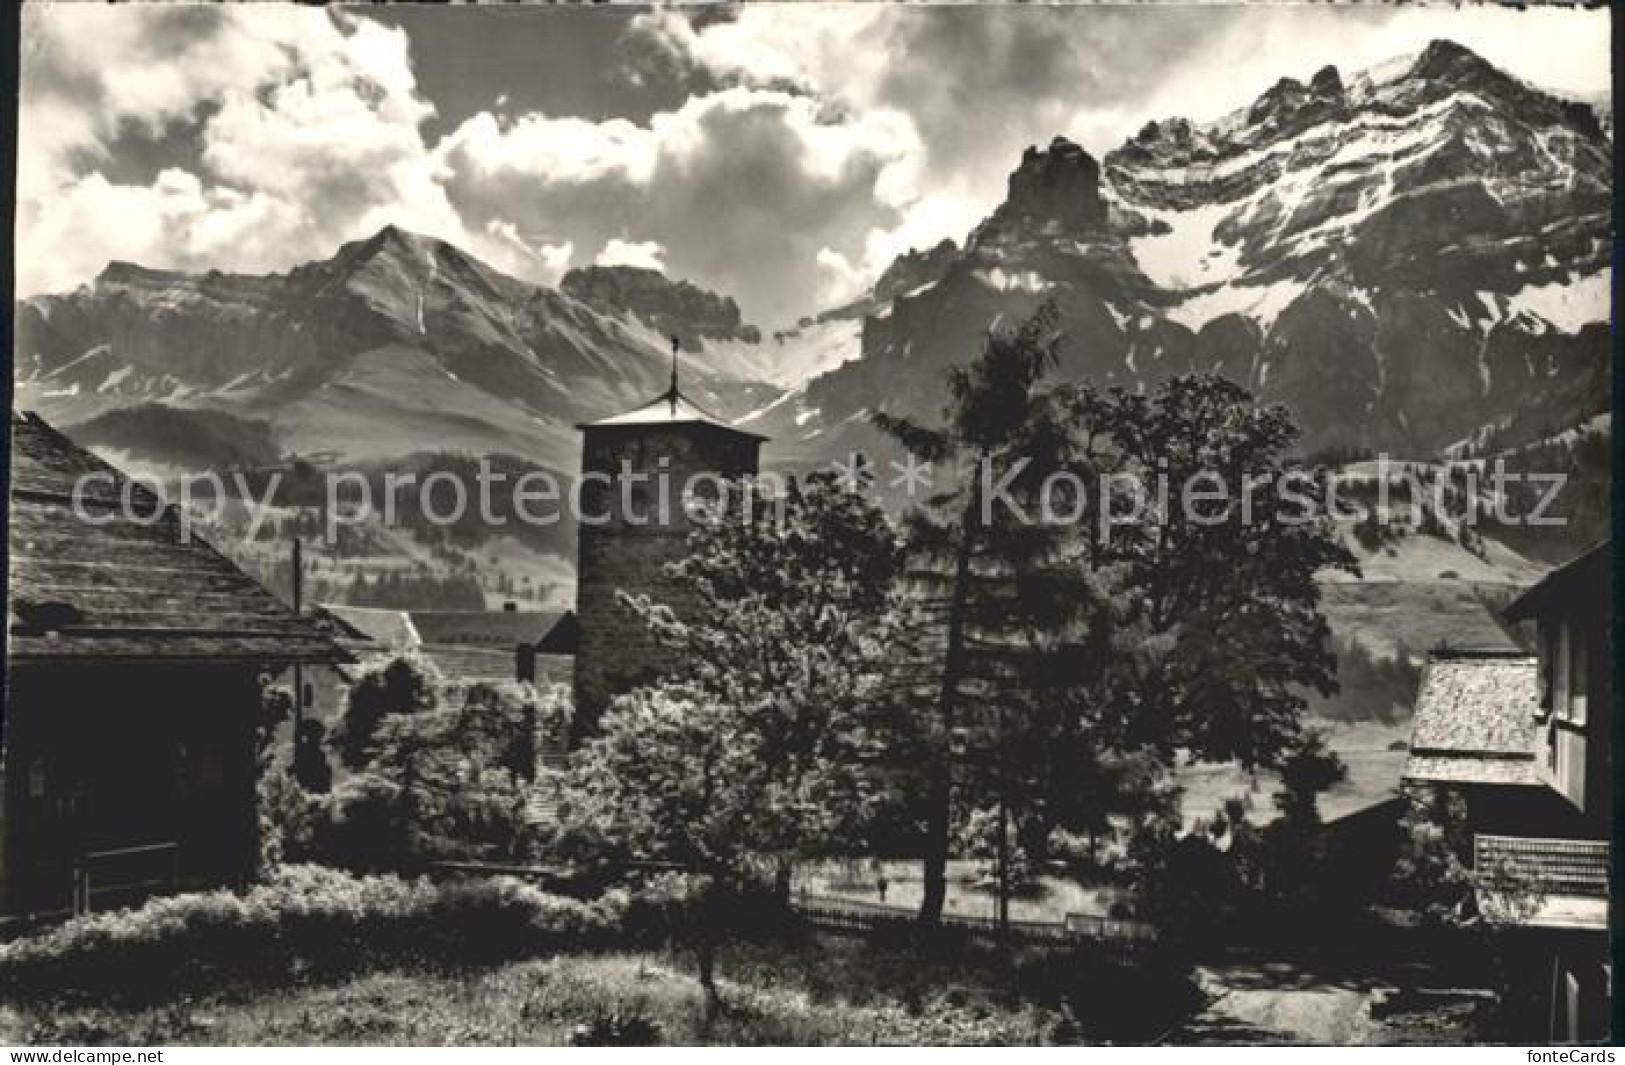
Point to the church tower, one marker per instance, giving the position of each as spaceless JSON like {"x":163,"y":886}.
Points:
{"x":629,"y":463}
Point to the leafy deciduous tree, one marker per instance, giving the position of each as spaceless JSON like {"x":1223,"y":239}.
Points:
{"x":768,"y":741}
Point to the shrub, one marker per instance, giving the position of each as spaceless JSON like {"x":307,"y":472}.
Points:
{"x":442,"y":772}
{"x":362,"y":825}
{"x":488,"y":919}
{"x":404,"y":685}
{"x":288,"y":819}
{"x":307,"y":921}
{"x":617,"y":1028}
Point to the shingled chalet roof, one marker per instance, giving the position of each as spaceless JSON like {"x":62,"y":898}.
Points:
{"x":1475,"y":719}
{"x":461,"y":663}
{"x":121,"y":586}
{"x":563,"y":638}
{"x":1587,"y":577}
{"x":389,"y":628}
{"x":502,"y":630}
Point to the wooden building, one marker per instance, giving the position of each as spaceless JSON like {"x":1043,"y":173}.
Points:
{"x":1571,"y":612}
{"x":634,"y":468}
{"x":136,"y":659}
{"x":366,"y":634}
{"x":1570,"y":857}
{"x":1525,"y":741}
{"x":493,"y":646}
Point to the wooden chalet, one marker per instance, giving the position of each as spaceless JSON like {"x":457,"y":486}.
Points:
{"x":490,"y":646}
{"x":1525,"y":741}
{"x":136,"y":661}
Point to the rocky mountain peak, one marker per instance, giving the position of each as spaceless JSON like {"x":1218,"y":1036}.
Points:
{"x":1445,"y":60}
{"x":1445,"y":68}
{"x":120,"y":272}
{"x":1061,"y":184}
{"x":1178,"y":137}
{"x":392,"y":233}
{"x":1327,"y":82}
{"x":389,"y":242}
{"x":674,"y":308}
{"x":396,"y":339}
{"x":405,"y":275}
{"x":915,"y":268}
{"x":1290,"y":106}
{"x":1400,"y":254}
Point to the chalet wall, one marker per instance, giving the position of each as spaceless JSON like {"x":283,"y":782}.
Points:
{"x":1573,"y":748}
{"x":103,"y":757}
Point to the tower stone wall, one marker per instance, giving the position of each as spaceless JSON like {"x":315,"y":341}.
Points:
{"x":631,"y":467}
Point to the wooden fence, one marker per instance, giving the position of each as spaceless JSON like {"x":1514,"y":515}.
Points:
{"x":124,"y":876}
{"x":836,"y":914}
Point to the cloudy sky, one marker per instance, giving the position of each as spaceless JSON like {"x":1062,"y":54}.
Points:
{"x":783,"y":154}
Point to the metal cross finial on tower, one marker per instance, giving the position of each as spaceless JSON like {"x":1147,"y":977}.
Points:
{"x":672,"y":395}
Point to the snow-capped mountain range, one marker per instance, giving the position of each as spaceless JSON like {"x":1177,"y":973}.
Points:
{"x":398,"y":343}
{"x":1404,"y":256}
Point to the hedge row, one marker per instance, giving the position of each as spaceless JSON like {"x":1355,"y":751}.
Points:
{"x":306,"y":922}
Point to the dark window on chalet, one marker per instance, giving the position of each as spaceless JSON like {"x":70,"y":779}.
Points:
{"x":54,"y":788}
{"x":1548,"y":672}
{"x":1578,"y":668}
{"x":1562,"y":680}
{"x":211,"y":767}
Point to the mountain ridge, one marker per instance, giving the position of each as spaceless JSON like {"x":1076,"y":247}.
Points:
{"x":1403,"y":256}
{"x":1409,"y":256}
{"x":395,"y":337}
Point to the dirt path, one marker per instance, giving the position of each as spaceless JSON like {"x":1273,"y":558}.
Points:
{"x":1252,"y":1004}
{"x":1278,"y":1002}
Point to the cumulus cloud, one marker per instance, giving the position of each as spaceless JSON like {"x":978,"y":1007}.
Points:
{"x":307,"y":124}
{"x":525,"y":258}
{"x":308,"y":130}
{"x":980,"y":83}
{"x":782,"y":154}
{"x":741,"y":187}
{"x":647,"y":254}
{"x":840,"y":280}
{"x":967,"y":88}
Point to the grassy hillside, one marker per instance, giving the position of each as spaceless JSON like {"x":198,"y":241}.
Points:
{"x":819,"y":991}
{"x":185,"y":438}
{"x":1387,"y":616}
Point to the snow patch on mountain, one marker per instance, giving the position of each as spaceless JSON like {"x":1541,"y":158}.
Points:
{"x":116,"y":378}
{"x":93,"y":352}
{"x":1187,"y":254}
{"x":1568,"y":304}
{"x":1262,"y":303}
{"x":788,"y":358}
{"x":760,"y":412}
{"x":1001,"y":280}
